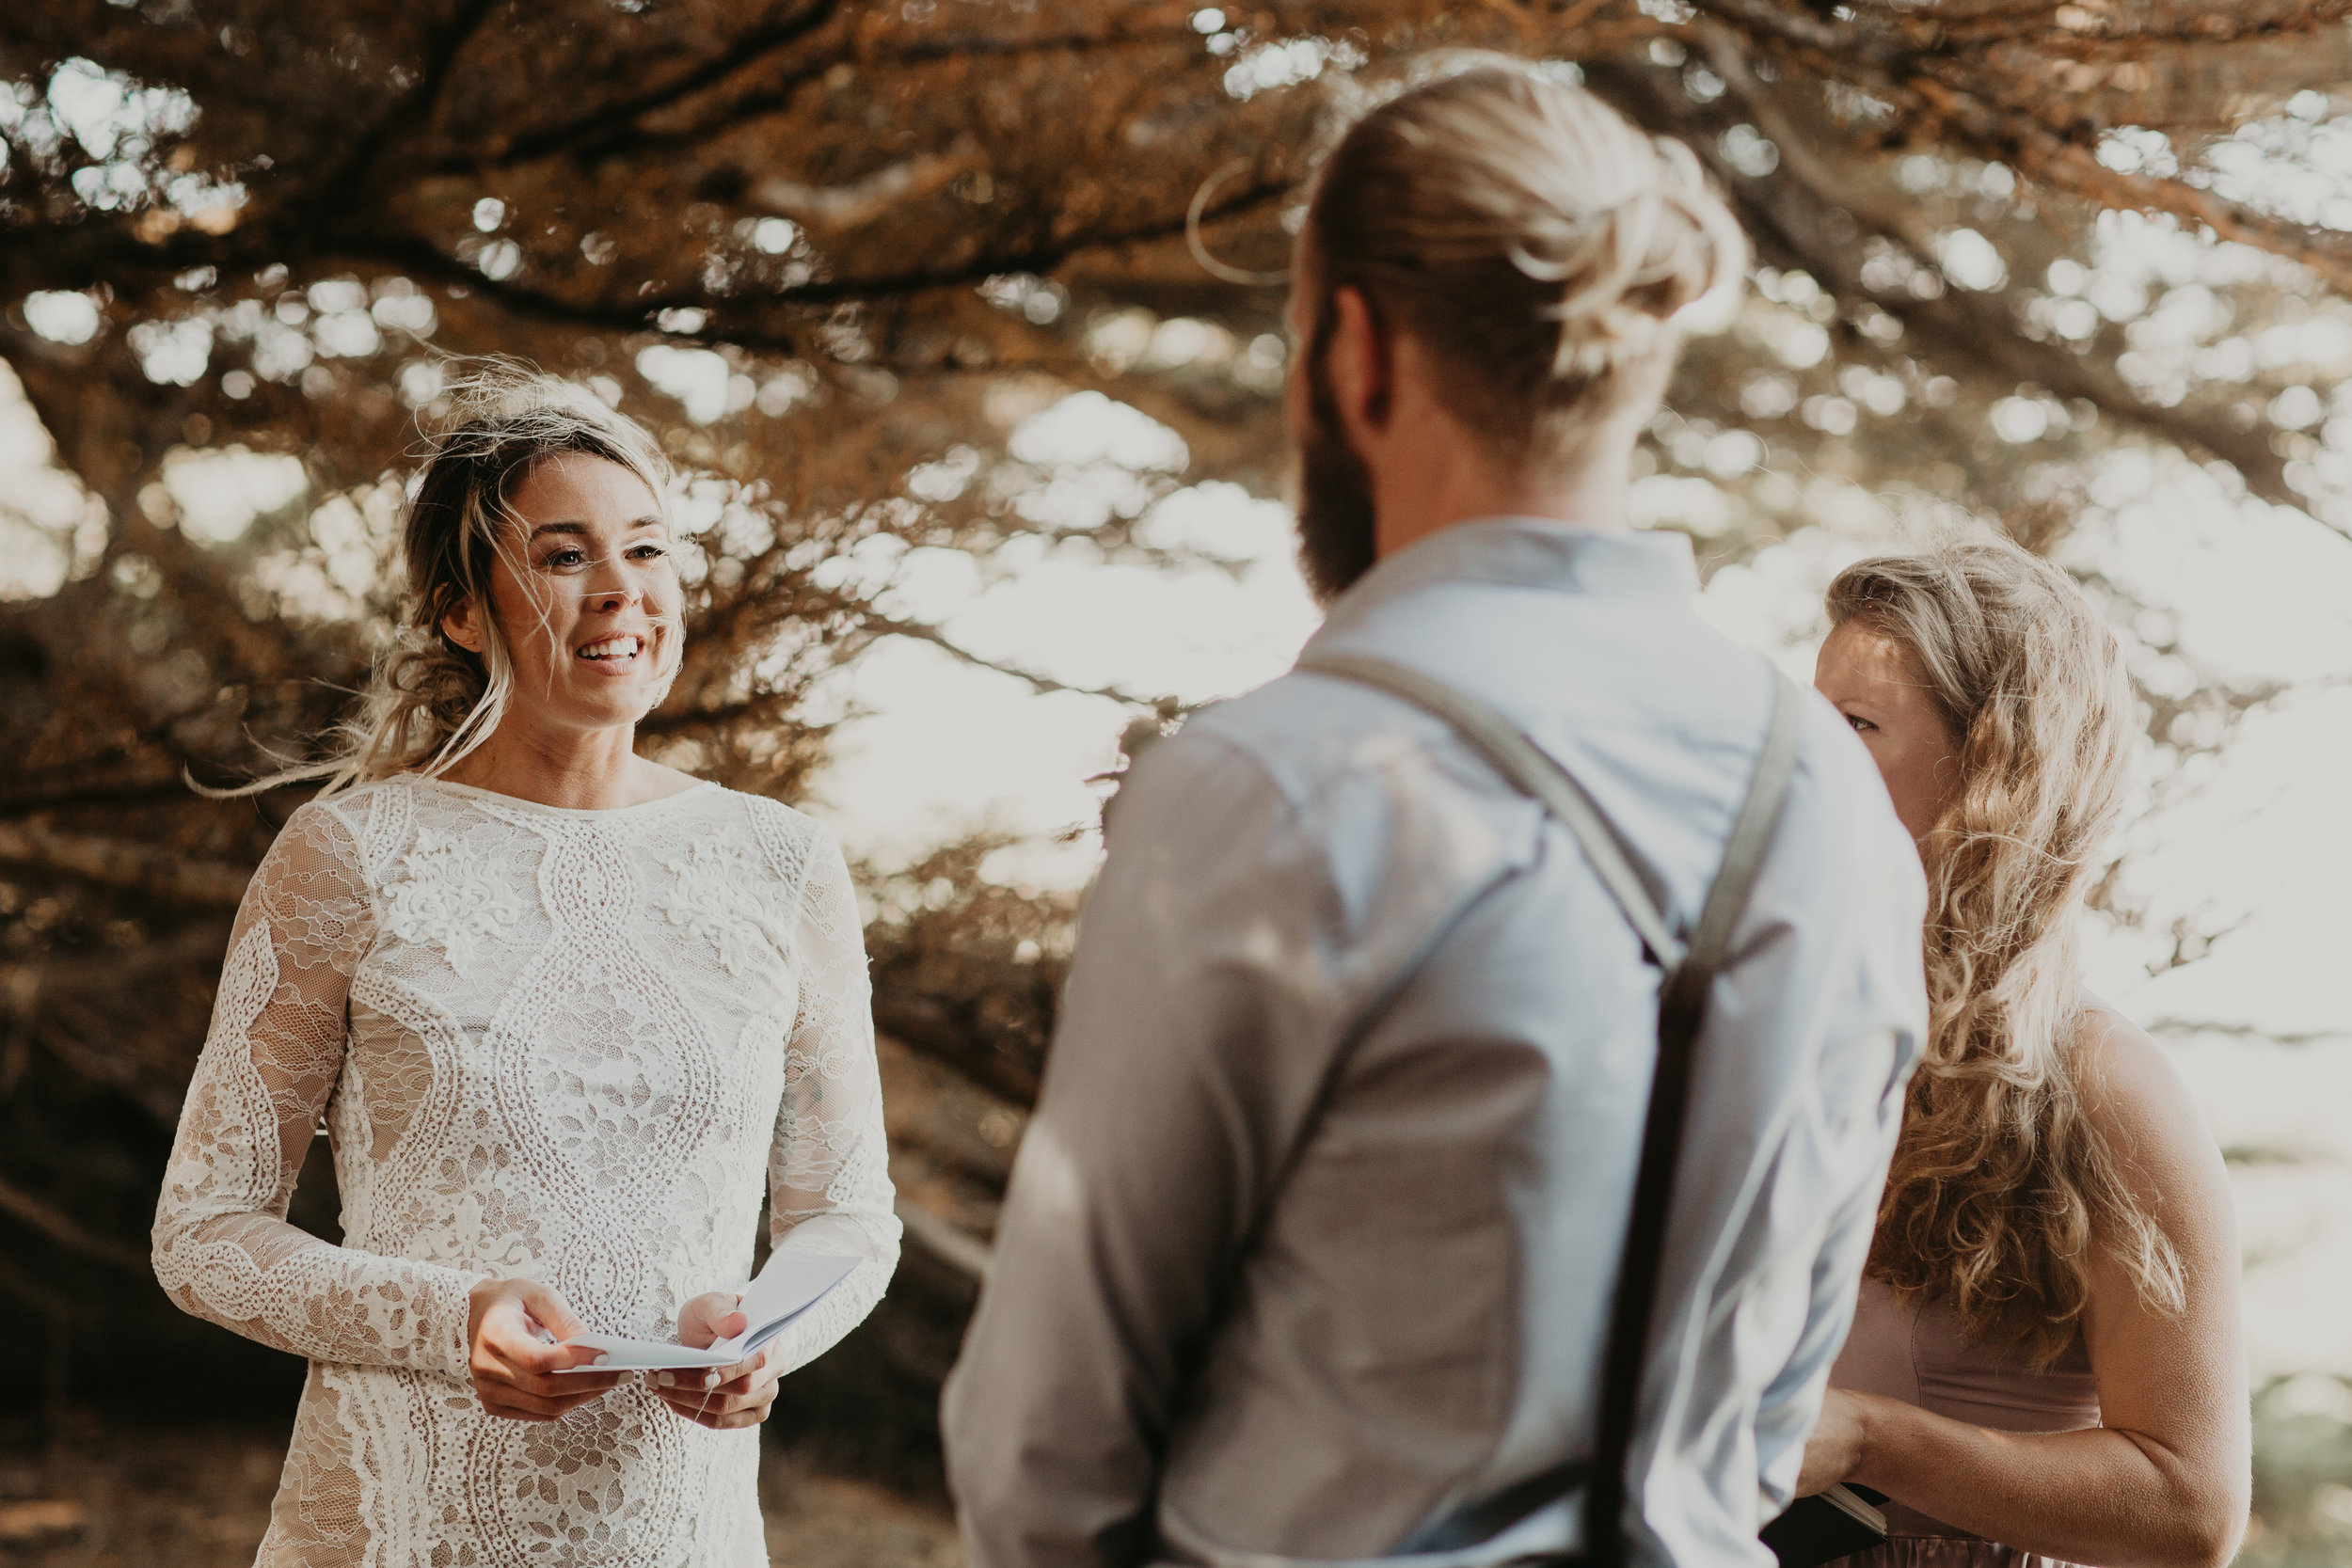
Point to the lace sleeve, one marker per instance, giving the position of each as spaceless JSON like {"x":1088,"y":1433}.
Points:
{"x":223,"y":1249}
{"x":829,"y":1172}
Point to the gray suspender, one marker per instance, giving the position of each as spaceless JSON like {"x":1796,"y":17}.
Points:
{"x":1689,"y":975}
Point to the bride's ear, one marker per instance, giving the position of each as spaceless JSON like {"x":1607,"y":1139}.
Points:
{"x":463,"y":625}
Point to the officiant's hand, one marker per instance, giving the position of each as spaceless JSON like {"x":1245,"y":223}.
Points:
{"x":724,"y":1397}
{"x":1840,"y":1440}
{"x":512,"y":1365}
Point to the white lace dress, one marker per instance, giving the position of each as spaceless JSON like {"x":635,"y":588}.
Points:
{"x":556,"y":1044}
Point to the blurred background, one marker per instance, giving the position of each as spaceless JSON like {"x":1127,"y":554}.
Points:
{"x":983,"y":478}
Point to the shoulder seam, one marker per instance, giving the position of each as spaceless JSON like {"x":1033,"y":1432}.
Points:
{"x":765,"y":815}
{"x":1296,"y":802}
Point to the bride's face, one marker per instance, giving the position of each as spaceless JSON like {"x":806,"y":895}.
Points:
{"x":586,"y":593}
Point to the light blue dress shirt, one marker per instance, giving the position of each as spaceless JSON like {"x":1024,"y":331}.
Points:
{"x":1233,"y":1317}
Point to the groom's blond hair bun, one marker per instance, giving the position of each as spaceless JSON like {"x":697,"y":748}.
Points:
{"x":1537,"y":243}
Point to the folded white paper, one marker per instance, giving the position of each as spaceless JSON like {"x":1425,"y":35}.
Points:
{"x":790,"y":1284}
{"x":623,"y":1355}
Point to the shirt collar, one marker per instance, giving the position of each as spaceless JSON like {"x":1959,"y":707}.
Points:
{"x":1653,"y":566}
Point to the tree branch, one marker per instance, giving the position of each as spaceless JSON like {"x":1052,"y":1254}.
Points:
{"x":24,"y":982}
{"x":618,"y":133}
{"x":118,"y":786}
{"x":1976,"y":114}
{"x":1864,"y":40}
{"x":158,"y":1100}
{"x":921,"y":633}
{"x":61,"y":1228}
{"x":414,"y":109}
{"x":2040,"y":26}
{"x":1960,"y":323}
{"x":2063,"y":163}
{"x":418,"y":257}
{"x":132,"y":867}
{"x":589,"y":134}
{"x":762,"y":708}
{"x":53,"y":1302}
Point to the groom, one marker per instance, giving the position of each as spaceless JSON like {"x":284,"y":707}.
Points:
{"x":1312,"y":1237}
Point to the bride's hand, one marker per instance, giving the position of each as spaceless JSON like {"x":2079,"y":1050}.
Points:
{"x":723,"y":1396}
{"x":512,"y":1367}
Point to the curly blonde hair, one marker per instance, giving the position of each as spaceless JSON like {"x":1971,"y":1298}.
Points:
{"x":2001,"y":1186}
{"x":430,"y":701}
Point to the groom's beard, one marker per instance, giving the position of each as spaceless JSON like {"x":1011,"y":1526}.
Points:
{"x":1334,"y":492}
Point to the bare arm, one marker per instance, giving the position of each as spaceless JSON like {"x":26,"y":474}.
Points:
{"x":2165,"y":1482}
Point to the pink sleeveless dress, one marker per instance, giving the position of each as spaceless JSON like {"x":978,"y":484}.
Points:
{"x":1923,"y":1359}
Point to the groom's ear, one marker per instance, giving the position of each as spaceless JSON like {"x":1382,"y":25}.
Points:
{"x":1359,"y":363}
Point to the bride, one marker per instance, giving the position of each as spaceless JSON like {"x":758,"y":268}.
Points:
{"x":558,"y":1007}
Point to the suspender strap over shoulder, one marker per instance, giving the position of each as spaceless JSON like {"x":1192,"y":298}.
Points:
{"x":1689,"y":974}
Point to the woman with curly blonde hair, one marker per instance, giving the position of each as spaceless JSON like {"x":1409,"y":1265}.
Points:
{"x":2044,"y":1366}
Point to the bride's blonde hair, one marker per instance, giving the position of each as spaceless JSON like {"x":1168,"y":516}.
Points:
{"x":430,"y":701}
{"x":2001,"y":1187}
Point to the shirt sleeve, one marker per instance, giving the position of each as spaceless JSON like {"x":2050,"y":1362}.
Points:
{"x":222,"y":1248}
{"x":829,"y":1136}
{"x":1792,"y":1402}
{"x":1198,"y":1019}
{"x":1872,"y":1041}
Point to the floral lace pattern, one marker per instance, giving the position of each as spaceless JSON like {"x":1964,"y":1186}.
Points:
{"x":713,"y":899}
{"x":441,"y":896}
{"x":561,"y":1045}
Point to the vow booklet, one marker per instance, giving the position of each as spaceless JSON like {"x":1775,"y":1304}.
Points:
{"x":790,"y":1284}
{"x":1826,"y":1526}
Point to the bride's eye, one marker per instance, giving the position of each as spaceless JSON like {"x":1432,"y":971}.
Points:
{"x":564,"y":558}
{"x":648,"y":552}
{"x":1859,"y":724}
